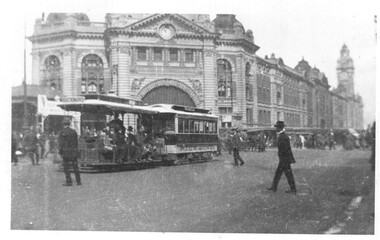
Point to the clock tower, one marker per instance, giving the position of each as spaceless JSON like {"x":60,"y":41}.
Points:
{"x":345,"y":70}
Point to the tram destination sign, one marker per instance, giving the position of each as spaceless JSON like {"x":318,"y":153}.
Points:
{"x":196,"y":148}
{"x":73,"y":99}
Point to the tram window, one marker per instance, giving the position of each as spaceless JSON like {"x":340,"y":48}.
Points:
{"x":169,"y":125}
{"x":207,"y":127}
{"x":191,"y":123}
{"x":196,"y":126}
{"x":201,"y":127}
{"x":214,"y":127}
{"x":186,"y":125}
{"x":180,"y":125}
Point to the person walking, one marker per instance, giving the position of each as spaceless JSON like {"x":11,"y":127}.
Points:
{"x":236,"y":142}
{"x":286,"y":158}
{"x":30,"y":143}
{"x":68,"y":149}
{"x":331,"y":140}
{"x":14,"y":148}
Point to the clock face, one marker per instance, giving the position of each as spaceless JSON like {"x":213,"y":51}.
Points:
{"x":166,"y":32}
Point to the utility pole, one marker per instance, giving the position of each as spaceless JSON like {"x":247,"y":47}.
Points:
{"x":25,"y":118}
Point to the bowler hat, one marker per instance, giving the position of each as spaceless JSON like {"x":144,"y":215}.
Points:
{"x":66,"y":121}
{"x":280,"y":124}
{"x":130,"y":128}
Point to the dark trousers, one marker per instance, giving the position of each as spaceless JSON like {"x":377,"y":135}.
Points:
{"x":31,"y":152}
{"x":71,"y":162}
{"x":284,"y":167}
{"x":119,"y":153}
{"x":237,"y":156}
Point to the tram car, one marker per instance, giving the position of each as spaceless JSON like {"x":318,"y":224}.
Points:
{"x":120,"y":134}
{"x":189,"y":133}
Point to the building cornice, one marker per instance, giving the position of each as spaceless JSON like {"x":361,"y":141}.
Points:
{"x":66,"y":34}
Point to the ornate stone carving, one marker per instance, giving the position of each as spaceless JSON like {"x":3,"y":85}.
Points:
{"x":137,"y":82}
{"x":197,"y":85}
{"x":125,"y":50}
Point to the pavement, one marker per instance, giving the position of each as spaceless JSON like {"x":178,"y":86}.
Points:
{"x":335,"y":196}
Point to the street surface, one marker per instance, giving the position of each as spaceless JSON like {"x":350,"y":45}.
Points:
{"x":335,"y":195}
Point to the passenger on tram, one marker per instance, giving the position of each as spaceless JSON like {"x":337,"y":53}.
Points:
{"x":117,"y":133}
{"x":117,"y":124}
{"x":131,"y":144}
{"x":144,"y":144}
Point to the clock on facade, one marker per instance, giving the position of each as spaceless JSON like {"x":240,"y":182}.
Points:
{"x":166,"y":31}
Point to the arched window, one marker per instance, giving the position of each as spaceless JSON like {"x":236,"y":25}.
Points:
{"x":224,"y":75}
{"x":92,"y":74}
{"x":52,"y":73}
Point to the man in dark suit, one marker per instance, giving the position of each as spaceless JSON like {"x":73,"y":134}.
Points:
{"x":68,"y":149}
{"x":236,"y":143}
{"x":285,"y":159}
{"x":30,"y":143}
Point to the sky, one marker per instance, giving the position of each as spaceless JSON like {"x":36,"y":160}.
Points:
{"x":291,"y":29}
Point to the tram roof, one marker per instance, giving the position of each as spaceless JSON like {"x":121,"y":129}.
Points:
{"x":103,"y":107}
{"x":177,"y":109}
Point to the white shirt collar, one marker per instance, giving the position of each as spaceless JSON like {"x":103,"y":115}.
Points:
{"x":283,"y":130}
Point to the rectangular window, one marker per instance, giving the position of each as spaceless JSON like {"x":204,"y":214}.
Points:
{"x":207,"y":127}
{"x":189,"y":55}
{"x":180,"y":125}
{"x":225,"y":110}
{"x":196,"y":126}
{"x":191,"y":123}
{"x":201,"y":127}
{"x":141,"y":54}
{"x":173,"y":55}
{"x":214,"y":128}
{"x":157,"y":54}
{"x":169,"y":125}
{"x":186,"y":125}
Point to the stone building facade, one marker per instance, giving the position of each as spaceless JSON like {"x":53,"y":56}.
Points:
{"x":184,"y":59}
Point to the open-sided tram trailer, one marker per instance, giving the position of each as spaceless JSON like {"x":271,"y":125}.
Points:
{"x":181,"y":134}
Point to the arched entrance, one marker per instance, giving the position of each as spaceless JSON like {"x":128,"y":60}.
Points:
{"x":169,"y":95}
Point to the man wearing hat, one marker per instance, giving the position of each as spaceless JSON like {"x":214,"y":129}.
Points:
{"x":30,"y":142}
{"x":131,"y":144}
{"x":68,"y":149}
{"x":236,"y":142}
{"x":285,"y":159}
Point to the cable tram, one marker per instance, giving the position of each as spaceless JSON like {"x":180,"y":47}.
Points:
{"x":144,"y":136}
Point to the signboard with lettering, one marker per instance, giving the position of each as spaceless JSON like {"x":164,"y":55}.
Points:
{"x":191,"y":148}
{"x":73,"y":99}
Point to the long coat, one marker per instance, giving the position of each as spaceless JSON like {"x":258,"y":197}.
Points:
{"x":68,"y":143}
{"x":30,"y":141}
{"x":285,"y":153}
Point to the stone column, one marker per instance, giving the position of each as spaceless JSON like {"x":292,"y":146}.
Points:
{"x":241,"y":88}
{"x":67,"y":73}
{"x":114,"y":70}
{"x":210,"y":81}
{"x":36,"y":79}
{"x":124,"y":62}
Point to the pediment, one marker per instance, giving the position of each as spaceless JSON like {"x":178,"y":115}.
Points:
{"x":182,"y":25}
